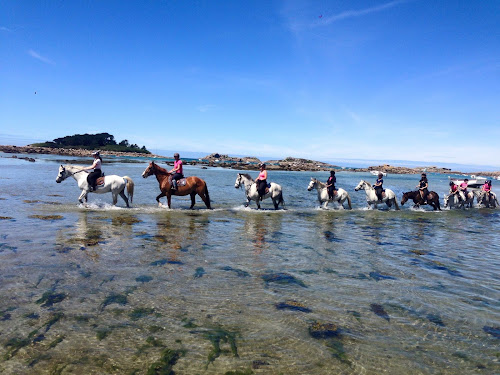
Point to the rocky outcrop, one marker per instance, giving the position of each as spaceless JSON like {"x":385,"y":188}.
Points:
{"x":390,"y":169}
{"x":221,"y":158}
{"x":299,"y":164}
{"x":66,"y":151}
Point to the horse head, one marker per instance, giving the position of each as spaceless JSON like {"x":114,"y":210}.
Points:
{"x":237,"y":183}
{"x":312,"y":184}
{"x":62,"y":175}
{"x":405,"y":198}
{"x":361,"y":186}
{"x":149,"y":170}
{"x":446,"y":200}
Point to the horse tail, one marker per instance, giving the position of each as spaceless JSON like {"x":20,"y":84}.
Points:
{"x":349,"y":201}
{"x":281,"y":200}
{"x":130,"y":188}
{"x":396,"y":202}
{"x":208,"y":196}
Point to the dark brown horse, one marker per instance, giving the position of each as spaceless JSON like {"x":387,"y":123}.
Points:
{"x":432,"y":199}
{"x":194,"y":185}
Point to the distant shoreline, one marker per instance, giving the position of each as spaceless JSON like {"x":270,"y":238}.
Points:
{"x":288,"y":164}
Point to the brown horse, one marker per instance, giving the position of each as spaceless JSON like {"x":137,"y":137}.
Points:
{"x":194,"y":185}
{"x":432,"y":199}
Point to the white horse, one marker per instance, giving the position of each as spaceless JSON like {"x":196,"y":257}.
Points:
{"x":275,"y":191}
{"x":485,"y":200}
{"x":453,"y":200}
{"x":371,"y":197}
{"x":112,"y":183}
{"x":339,"y":197}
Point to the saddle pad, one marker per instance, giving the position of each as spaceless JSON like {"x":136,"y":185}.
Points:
{"x":181,"y":182}
{"x":100,"y":181}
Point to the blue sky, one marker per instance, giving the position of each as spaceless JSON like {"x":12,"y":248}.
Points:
{"x":326,"y":80}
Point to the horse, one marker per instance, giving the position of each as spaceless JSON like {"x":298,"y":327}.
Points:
{"x":112,"y":183}
{"x":339,"y":197}
{"x":432,"y":199}
{"x":194,"y":185}
{"x":371,"y":196}
{"x":274,"y":192}
{"x":487,"y":200}
{"x":453,"y":200}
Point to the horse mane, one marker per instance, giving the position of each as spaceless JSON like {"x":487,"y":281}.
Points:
{"x":321,"y":184}
{"x":246,"y":175}
{"x":75,"y":166}
{"x":160,"y":169}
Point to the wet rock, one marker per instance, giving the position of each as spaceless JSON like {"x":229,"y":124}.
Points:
{"x":128,"y":220}
{"x":53,"y":320}
{"x":6,"y":218}
{"x":379,"y":311}
{"x":494,"y":331}
{"x":47,"y":217}
{"x":162,"y":262}
{"x":293,"y":305}
{"x":323,"y":330}
{"x":282,"y":278}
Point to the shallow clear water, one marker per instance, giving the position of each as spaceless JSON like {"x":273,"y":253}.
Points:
{"x":104,"y":289}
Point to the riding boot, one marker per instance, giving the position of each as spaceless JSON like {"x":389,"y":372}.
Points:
{"x":174,"y":185}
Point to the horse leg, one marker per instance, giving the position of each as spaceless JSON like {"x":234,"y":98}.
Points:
{"x":193,"y":194}
{"x":115,"y":199}
{"x":169,"y":199}
{"x":122,"y":194}
{"x":275,"y":202}
{"x":158,"y":198}
{"x":83,"y":196}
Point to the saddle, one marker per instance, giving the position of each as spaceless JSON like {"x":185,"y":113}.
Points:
{"x":180,"y":182}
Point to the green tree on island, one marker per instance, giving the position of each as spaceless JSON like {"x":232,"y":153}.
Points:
{"x":102,"y":141}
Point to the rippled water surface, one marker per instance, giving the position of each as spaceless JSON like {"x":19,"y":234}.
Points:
{"x":102,"y":289}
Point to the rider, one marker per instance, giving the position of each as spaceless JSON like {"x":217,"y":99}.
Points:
{"x":463,"y":189}
{"x":454,"y":190}
{"x":330,"y":184}
{"x":176,"y":170}
{"x":423,"y":186}
{"x":96,"y":173}
{"x":486,"y":188}
{"x":261,"y":181}
{"x":378,"y":186}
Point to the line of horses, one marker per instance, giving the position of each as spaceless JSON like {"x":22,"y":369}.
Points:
{"x":193,"y":186}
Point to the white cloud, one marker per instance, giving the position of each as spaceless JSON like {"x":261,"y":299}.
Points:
{"x":39,"y":57}
{"x":358,"y":13}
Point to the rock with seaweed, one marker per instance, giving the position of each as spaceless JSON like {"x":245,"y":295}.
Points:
{"x":164,"y":366}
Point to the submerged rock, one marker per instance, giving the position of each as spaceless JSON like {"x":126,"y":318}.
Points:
{"x":293,"y":305}
{"x":323,"y":330}
{"x":494,"y":331}
{"x":239,"y":273}
{"x":282,"y":278}
{"x":49,"y":298}
{"x":200,"y":271}
{"x":380,"y":276}
{"x":436,"y":319}
{"x":379,"y":311}
{"x":166,"y":362}
{"x":120,"y":299}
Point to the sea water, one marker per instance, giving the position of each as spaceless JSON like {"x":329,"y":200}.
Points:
{"x":99,"y":289}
